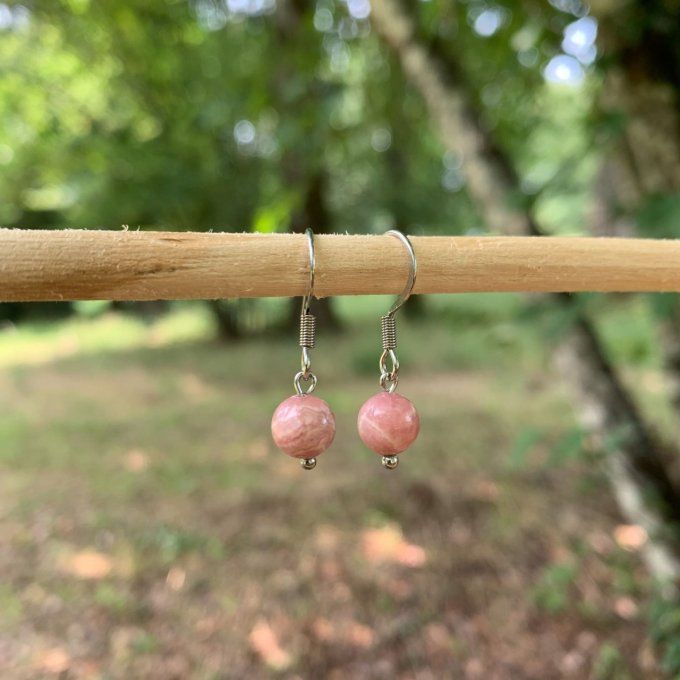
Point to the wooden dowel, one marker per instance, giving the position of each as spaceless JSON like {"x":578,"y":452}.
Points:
{"x":132,"y":265}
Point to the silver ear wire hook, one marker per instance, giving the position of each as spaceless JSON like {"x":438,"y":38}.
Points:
{"x":413,"y":271}
{"x":307,"y":326}
{"x":291,"y":420}
{"x":306,"y":299}
{"x":388,"y":324}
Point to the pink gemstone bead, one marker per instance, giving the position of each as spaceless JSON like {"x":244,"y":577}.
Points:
{"x":303,"y":426}
{"x":388,"y":423}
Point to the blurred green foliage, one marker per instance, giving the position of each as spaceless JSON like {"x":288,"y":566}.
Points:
{"x":204,"y":114}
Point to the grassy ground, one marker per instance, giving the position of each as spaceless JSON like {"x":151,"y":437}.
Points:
{"x":150,"y":530}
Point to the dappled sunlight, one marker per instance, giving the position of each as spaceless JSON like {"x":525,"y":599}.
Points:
{"x":31,"y":345}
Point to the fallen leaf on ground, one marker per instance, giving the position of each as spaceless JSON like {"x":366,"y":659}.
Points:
{"x":630,"y":536}
{"x":323,"y":629}
{"x":89,"y":564}
{"x":387,"y":544}
{"x":265,"y":643}
{"x":55,"y":660}
{"x":360,"y":635}
{"x":625,"y":607}
{"x":136,"y":461}
{"x":176,"y":578}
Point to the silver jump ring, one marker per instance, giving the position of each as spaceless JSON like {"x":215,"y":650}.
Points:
{"x":389,"y":378}
{"x":388,"y":383}
{"x":301,"y":377}
{"x":383,"y":363}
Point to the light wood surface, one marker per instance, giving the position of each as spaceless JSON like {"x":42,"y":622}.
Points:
{"x":132,"y":265}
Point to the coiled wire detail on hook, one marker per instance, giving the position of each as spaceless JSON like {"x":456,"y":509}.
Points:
{"x":307,"y":330}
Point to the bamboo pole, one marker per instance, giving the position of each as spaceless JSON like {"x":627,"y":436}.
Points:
{"x":133,"y":265}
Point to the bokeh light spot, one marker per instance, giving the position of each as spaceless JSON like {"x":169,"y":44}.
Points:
{"x":579,"y":39}
{"x":323,"y":20}
{"x":381,"y":139}
{"x":488,"y":22}
{"x":359,"y":9}
{"x":244,"y":132}
{"x":564,"y":70}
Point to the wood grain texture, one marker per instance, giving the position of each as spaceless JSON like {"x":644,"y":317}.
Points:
{"x":131,"y":265}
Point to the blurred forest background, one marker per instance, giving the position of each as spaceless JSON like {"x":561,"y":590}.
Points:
{"x":148,"y":527}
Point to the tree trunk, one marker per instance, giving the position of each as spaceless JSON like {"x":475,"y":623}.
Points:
{"x":225,"y":313}
{"x":314,"y":214}
{"x":636,"y":465}
{"x":641,"y":88}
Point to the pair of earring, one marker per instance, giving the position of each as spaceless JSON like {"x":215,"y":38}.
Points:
{"x":303,"y":426}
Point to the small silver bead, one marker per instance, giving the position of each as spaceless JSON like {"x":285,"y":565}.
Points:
{"x":308,"y":463}
{"x":390,"y":462}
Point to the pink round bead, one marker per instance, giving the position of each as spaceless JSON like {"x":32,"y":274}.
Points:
{"x":388,"y":423}
{"x":303,"y":426}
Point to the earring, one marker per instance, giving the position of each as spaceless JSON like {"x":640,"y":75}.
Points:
{"x":389,"y":423}
{"x":303,"y":426}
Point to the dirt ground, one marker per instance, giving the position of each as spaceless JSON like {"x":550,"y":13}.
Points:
{"x":149,"y":529}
